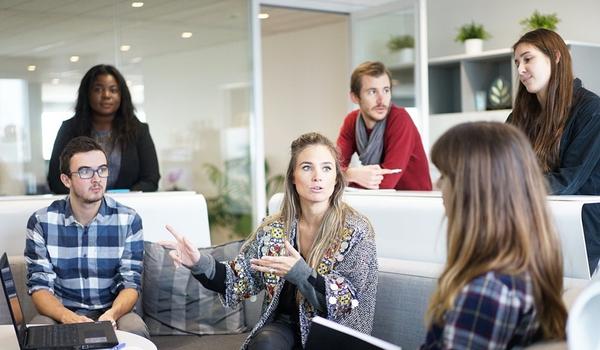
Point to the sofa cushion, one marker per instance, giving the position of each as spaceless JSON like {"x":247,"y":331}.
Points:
{"x":403,"y":293}
{"x":176,"y":303}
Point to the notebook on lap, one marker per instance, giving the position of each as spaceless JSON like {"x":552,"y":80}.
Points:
{"x":326,"y":334}
{"x":92,"y":335}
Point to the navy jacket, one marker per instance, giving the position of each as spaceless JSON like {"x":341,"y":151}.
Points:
{"x":579,"y":170}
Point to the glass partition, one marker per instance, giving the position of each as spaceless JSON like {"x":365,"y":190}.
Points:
{"x":187,"y":65}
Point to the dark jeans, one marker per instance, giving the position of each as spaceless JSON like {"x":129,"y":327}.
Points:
{"x":280,"y":334}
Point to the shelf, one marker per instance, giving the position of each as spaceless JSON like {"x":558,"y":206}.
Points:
{"x":402,"y":66}
{"x":471,"y":57}
{"x":455,"y":80}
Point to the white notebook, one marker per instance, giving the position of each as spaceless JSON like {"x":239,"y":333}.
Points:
{"x":326,"y":334}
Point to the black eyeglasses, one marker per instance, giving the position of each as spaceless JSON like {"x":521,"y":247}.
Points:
{"x":85,"y":172}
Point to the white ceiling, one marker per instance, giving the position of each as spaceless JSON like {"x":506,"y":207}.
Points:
{"x":47,"y":32}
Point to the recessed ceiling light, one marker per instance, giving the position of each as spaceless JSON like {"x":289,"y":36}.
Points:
{"x":125,"y":47}
{"x":74,"y":59}
{"x":186,"y":35}
{"x":263,"y":15}
{"x":136,"y":60}
{"x":137,"y":4}
{"x":55,"y":81}
{"x":31,"y":68}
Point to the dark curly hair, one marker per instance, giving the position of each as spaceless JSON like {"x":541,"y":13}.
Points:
{"x":125,"y":123}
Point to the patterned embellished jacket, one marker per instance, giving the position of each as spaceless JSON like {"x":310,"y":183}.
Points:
{"x":349,"y":269}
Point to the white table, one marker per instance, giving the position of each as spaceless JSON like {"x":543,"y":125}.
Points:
{"x":8,"y":339}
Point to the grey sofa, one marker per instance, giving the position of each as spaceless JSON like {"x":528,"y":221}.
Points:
{"x":403,"y":292}
{"x":401,"y":302}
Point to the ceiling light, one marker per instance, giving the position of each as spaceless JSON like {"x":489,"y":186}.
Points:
{"x":137,"y":4}
{"x":263,"y":16}
{"x":55,"y":81}
{"x":74,"y":59}
{"x":125,"y":48}
{"x":31,"y":68}
{"x":136,"y":60}
{"x":186,"y":35}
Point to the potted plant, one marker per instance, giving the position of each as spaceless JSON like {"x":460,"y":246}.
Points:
{"x":472,"y":35}
{"x":402,"y":46}
{"x":538,"y":20}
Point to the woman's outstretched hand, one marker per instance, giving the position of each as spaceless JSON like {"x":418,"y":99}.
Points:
{"x":277,"y":265}
{"x":182,"y":251}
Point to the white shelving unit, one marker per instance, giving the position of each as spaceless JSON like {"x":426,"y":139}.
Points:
{"x":454,"y":80}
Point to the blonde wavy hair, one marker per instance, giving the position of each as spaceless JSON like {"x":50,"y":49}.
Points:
{"x":497,"y":218}
{"x":332,"y":226}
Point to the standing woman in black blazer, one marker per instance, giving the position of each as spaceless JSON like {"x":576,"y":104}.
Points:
{"x":105,"y":112}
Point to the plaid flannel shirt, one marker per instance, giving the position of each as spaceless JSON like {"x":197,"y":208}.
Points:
{"x":85,"y":267}
{"x":493,"y":311}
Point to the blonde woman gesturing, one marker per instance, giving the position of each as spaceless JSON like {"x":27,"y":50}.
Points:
{"x":316,"y":257}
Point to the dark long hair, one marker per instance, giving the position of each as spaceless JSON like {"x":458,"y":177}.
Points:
{"x":544,"y":125}
{"x":125,"y":123}
{"x":492,"y":172}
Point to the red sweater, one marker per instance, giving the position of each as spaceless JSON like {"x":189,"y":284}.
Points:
{"x":402,"y":149}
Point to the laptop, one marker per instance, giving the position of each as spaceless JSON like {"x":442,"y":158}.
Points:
{"x":325,"y":334}
{"x":91,"y":335}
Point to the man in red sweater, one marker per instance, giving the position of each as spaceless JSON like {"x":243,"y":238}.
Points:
{"x":383,"y":135}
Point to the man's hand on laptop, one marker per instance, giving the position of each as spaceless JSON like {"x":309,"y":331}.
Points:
{"x":108,"y":316}
{"x":368,"y":176}
{"x":71,"y":317}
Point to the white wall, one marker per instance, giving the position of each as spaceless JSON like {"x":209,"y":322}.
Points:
{"x":306,"y":84}
{"x":187,"y":109}
{"x":580,"y":21}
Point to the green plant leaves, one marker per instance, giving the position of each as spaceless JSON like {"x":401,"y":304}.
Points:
{"x":499,"y":94}
{"x":539,"y":20}
{"x":472,"y":31}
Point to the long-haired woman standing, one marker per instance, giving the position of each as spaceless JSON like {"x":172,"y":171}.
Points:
{"x":105,"y":112}
{"x":502,"y":283}
{"x":562,"y":121}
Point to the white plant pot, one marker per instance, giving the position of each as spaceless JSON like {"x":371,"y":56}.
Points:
{"x":473,"y":46}
{"x":406,"y":55}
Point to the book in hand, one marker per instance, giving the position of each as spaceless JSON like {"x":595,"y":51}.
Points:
{"x":326,"y":334}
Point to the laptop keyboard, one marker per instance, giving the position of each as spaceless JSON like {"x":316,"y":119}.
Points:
{"x":62,"y":335}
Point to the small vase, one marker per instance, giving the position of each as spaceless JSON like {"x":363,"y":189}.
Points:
{"x":406,"y":55}
{"x":473,"y":46}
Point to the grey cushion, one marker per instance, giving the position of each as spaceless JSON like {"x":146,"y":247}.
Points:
{"x":402,"y":301}
{"x":176,"y":303}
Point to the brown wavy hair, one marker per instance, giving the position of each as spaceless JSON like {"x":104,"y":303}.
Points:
{"x":497,"y":219}
{"x":372,"y":69}
{"x":544,"y":125}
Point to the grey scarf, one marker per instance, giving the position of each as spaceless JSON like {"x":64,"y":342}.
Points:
{"x":370,"y":147}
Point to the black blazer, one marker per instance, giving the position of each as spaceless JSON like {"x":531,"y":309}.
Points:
{"x":139,"y":164}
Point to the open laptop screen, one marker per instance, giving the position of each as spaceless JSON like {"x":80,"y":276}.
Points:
{"x":10,"y":292}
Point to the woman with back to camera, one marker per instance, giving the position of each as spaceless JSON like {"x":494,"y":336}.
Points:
{"x":316,"y":257}
{"x":105,"y":112}
{"x":562,"y":121}
{"x":502,"y":284}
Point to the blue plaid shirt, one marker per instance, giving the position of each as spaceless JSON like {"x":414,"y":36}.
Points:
{"x":493,"y":311}
{"x":84,"y":266}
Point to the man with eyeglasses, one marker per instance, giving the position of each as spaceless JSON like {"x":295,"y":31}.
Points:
{"x":84,"y":252}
